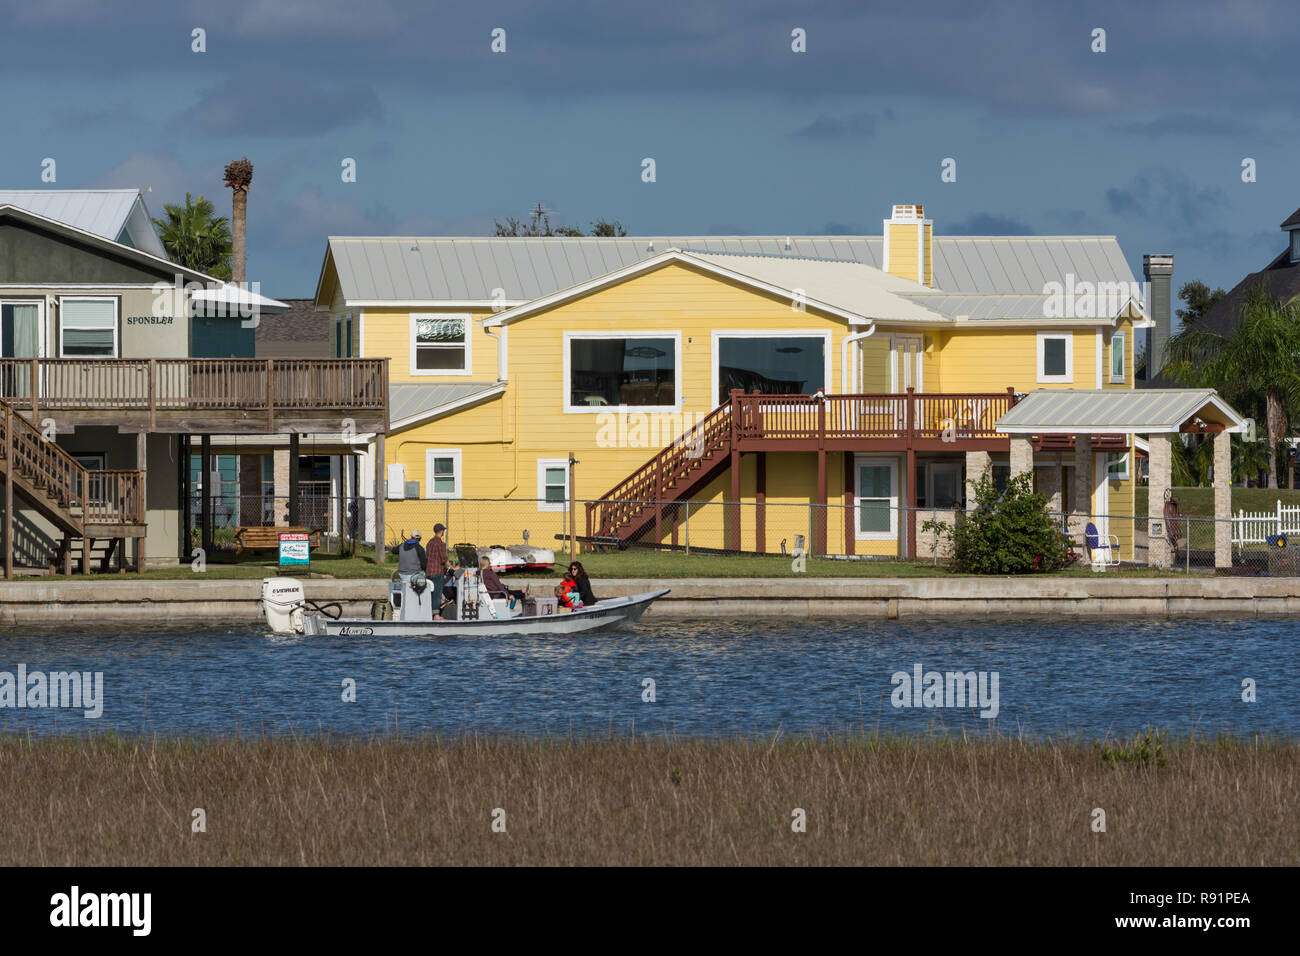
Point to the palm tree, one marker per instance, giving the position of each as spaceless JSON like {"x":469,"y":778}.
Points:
{"x":239,"y":176}
{"x":1258,"y":362}
{"x":194,"y":236}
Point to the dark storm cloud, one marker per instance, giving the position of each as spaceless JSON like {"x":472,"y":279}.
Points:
{"x":1014,"y":56}
{"x":853,"y":126}
{"x":279,"y":103}
{"x":988,"y":224}
{"x":1170,"y":198}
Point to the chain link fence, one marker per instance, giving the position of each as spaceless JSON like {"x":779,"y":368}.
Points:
{"x":851,"y":531}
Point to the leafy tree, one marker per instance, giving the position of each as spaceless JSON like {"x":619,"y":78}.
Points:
{"x":1249,"y":458}
{"x":194,"y":236}
{"x":1256,"y":364}
{"x":1200,"y":298}
{"x":1008,"y":532}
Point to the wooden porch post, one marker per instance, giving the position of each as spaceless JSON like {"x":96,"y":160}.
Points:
{"x":822,"y":493}
{"x":380,"y":493}
{"x":760,"y":502}
{"x":293,"y":480}
{"x":850,"y":525}
{"x":205,"y":497}
{"x":822,"y":502}
{"x":9,"y":492}
{"x":142,"y":465}
{"x":909,"y":480}
{"x":733,"y":533}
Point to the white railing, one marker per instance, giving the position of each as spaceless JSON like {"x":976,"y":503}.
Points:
{"x":1254,"y":527}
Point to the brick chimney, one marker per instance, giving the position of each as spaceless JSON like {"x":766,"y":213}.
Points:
{"x":1159,"y":272}
{"x":908,"y":239}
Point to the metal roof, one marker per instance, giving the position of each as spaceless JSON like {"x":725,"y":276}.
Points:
{"x":107,"y":213}
{"x":468,"y":269}
{"x":417,"y":400}
{"x":1108,"y":411}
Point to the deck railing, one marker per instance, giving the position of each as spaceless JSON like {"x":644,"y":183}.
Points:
{"x":270,"y":385}
{"x":887,"y":416}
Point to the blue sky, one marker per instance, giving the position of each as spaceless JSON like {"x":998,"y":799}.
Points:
{"x":1144,"y":141}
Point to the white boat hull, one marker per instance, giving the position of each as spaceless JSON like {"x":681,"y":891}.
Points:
{"x":608,"y":615}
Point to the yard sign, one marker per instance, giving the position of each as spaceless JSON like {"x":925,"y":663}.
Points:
{"x":295,"y":550}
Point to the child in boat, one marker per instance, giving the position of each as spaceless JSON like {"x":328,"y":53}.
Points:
{"x":567,"y":594}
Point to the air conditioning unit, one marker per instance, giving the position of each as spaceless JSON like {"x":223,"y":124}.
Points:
{"x":396,"y":482}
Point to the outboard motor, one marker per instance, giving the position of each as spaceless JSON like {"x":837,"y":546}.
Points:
{"x":283,"y":601}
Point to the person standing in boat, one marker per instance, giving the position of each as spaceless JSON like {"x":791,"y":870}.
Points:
{"x":436,"y":566}
{"x":410,"y":556}
{"x":582,"y":583}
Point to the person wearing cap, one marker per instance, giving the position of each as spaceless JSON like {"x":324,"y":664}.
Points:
{"x":410,"y":556}
{"x":435,"y":568}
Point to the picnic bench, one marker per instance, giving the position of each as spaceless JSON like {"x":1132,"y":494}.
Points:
{"x":261,"y":538}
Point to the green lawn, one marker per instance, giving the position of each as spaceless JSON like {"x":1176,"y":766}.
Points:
{"x":1199,"y":502}
{"x":615,"y":564}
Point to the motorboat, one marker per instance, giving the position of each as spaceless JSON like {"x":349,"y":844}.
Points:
{"x":409,"y":611}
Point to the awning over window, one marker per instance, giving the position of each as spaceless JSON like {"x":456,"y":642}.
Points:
{"x":1109,"y":411}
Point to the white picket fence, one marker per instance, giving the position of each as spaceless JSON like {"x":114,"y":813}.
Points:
{"x":1254,"y":527}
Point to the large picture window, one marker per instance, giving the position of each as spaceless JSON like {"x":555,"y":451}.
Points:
{"x":622,"y":372}
{"x":771,"y":364}
{"x":439,"y":343}
{"x":88,"y":327}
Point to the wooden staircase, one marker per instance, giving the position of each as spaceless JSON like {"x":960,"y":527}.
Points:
{"x":84,"y":504}
{"x":650,"y":495}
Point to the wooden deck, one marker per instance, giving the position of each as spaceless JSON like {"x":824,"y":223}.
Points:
{"x":217,"y":396}
{"x":906,"y":422}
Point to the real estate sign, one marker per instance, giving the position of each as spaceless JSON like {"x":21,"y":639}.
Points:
{"x":295,"y":549}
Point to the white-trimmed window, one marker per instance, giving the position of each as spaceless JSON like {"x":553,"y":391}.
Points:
{"x":875,"y":499}
{"x":1117,"y":466}
{"x":442,"y":473}
{"x":1056,"y":357}
{"x":1117,"y":357}
{"x":440,"y":343}
{"x":88,"y":326}
{"x":622,"y":371}
{"x":772,"y":362}
{"x":552,"y":484}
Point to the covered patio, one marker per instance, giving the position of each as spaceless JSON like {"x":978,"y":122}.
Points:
{"x":1089,"y":420}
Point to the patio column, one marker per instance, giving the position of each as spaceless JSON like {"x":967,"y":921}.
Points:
{"x":1222,"y":500}
{"x":1159,"y":552}
{"x":978,"y":464}
{"x":1049,"y":484}
{"x":280,"y":491}
{"x":1022,"y":456}
{"x":293,"y":480}
{"x":1081,"y":506}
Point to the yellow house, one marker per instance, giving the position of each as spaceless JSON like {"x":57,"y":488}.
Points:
{"x":751,"y":393}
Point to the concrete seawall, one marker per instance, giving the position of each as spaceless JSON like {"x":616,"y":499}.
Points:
{"x":47,"y":602}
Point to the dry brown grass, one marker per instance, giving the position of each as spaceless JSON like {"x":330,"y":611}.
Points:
{"x":869,"y":800}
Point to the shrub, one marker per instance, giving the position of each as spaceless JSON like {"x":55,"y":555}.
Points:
{"x":1007,"y":532}
{"x":1145,"y":748}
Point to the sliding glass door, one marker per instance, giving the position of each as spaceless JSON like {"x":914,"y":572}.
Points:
{"x":20,"y":338}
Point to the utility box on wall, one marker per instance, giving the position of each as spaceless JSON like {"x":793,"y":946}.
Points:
{"x":396,"y":482}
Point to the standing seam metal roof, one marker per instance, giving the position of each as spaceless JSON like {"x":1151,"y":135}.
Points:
{"x":470,"y":268}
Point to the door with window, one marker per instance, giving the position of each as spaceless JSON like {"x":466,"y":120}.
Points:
{"x":20,"y":334}
{"x":904,"y":371}
{"x":876,"y":499}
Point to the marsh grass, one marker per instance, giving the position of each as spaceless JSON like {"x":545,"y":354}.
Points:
{"x":869,"y":798}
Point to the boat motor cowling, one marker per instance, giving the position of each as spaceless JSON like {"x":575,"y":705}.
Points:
{"x":283,"y":602}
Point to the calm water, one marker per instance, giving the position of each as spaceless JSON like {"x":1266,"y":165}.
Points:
{"x":711,"y":678}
